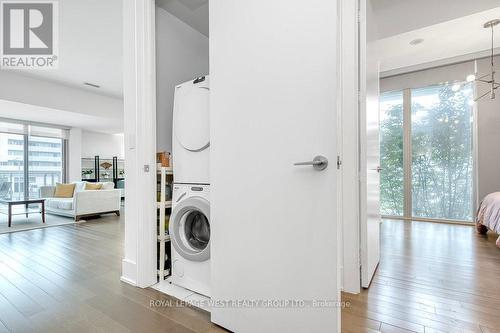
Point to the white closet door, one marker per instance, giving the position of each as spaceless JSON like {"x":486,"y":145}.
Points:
{"x":273,"y":68}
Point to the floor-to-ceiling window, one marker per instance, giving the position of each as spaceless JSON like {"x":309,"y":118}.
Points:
{"x":426,"y":152}
{"x":30,"y":156}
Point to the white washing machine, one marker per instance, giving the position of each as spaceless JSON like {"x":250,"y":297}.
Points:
{"x":189,"y":229}
{"x":191,"y":132}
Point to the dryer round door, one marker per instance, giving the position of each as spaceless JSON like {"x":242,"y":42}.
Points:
{"x":191,"y":118}
{"x":190,"y":229}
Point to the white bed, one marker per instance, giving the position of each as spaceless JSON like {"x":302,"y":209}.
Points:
{"x":488,"y":215}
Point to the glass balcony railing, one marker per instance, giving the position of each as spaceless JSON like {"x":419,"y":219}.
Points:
{"x":12,"y":184}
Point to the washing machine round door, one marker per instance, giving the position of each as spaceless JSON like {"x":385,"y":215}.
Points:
{"x":189,"y":229}
{"x":191,"y":121}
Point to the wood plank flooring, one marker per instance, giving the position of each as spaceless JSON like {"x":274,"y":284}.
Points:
{"x":431,"y":278}
{"x":67,"y":279}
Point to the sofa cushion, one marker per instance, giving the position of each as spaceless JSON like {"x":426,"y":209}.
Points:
{"x":64,"y":190}
{"x":79,"y":186}
{"x":107,"y":185}
{"x":60,"y":203}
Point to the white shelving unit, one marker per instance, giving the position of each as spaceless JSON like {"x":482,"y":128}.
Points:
{"x":163,"y":236}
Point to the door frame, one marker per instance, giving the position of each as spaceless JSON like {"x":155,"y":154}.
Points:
{"x":139,"y":92}
{"x":349,"y":144}
{"x":139,"y":33}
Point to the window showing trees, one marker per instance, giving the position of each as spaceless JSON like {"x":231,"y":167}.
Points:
{"x":441,"y":127}
{"x":391,"y":154}
{"x":440,"y":167}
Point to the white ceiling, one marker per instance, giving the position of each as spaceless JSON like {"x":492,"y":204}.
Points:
{"x":192,"y":12}
{"x":449,"y":39}
{"x":37,"y":113}
{"x":90,"y":38}
{"x":90,"y":46}
{"x":90,"y":41}
{"x":398,"y":16}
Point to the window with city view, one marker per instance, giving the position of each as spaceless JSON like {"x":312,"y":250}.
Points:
{"x":12,"y":165}
{"x":440,"y":167}
{"x":45,"y":163}
{"x":28,"y":162}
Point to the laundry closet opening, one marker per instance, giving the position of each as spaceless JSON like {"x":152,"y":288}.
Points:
{"x":183,"y":145}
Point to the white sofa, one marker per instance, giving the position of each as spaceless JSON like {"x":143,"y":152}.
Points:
{"x":84,"y":202}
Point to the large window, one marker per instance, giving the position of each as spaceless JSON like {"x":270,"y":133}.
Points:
{"x":426,"y":153}
{"x":30,"y":156}
{"x":45,"y":162}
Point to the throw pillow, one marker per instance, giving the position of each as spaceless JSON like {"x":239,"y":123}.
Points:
{"x":64,"y":190}
{"x":92,"y":186}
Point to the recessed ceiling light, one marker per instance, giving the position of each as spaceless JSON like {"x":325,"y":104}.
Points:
{"x":417,"y":41}
{"x":91,"y":85}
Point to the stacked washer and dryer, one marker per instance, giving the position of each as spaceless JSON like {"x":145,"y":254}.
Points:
{"x":189,"y":226}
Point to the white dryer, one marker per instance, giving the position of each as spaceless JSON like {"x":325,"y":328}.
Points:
{"x":191,"y":132}
{"x":189,"y":230}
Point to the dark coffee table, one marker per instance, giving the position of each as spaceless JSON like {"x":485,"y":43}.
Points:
{"x":26,"y":203}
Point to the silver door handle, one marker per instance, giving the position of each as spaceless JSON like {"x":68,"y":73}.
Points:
{"x":378,"y":169}
{"x":319,"y":163}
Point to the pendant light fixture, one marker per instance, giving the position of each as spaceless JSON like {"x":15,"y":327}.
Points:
{"x":490,"y":77}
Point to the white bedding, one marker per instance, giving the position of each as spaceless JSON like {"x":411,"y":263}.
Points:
{"x":489,"y":212}
{"x":488,"y":215}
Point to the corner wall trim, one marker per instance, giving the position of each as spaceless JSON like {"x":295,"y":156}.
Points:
{"x":129,"y":272}
{"x":139,"y":90}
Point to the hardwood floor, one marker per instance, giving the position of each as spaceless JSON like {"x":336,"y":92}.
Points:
{"x":431,"y":278}
{"x":67,"y":279}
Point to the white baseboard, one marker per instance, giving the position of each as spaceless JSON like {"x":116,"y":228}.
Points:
{"x":129,"y":272}
{"x":126,"y":280}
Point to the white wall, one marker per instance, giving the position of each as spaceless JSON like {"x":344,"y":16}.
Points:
{"x":104,"y":145}
{"x":488,"y":138}
{"x":418,"y":79}
{"x":74,"y":155}
{"x":181,"y":55}
{"x":87,"y":144}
